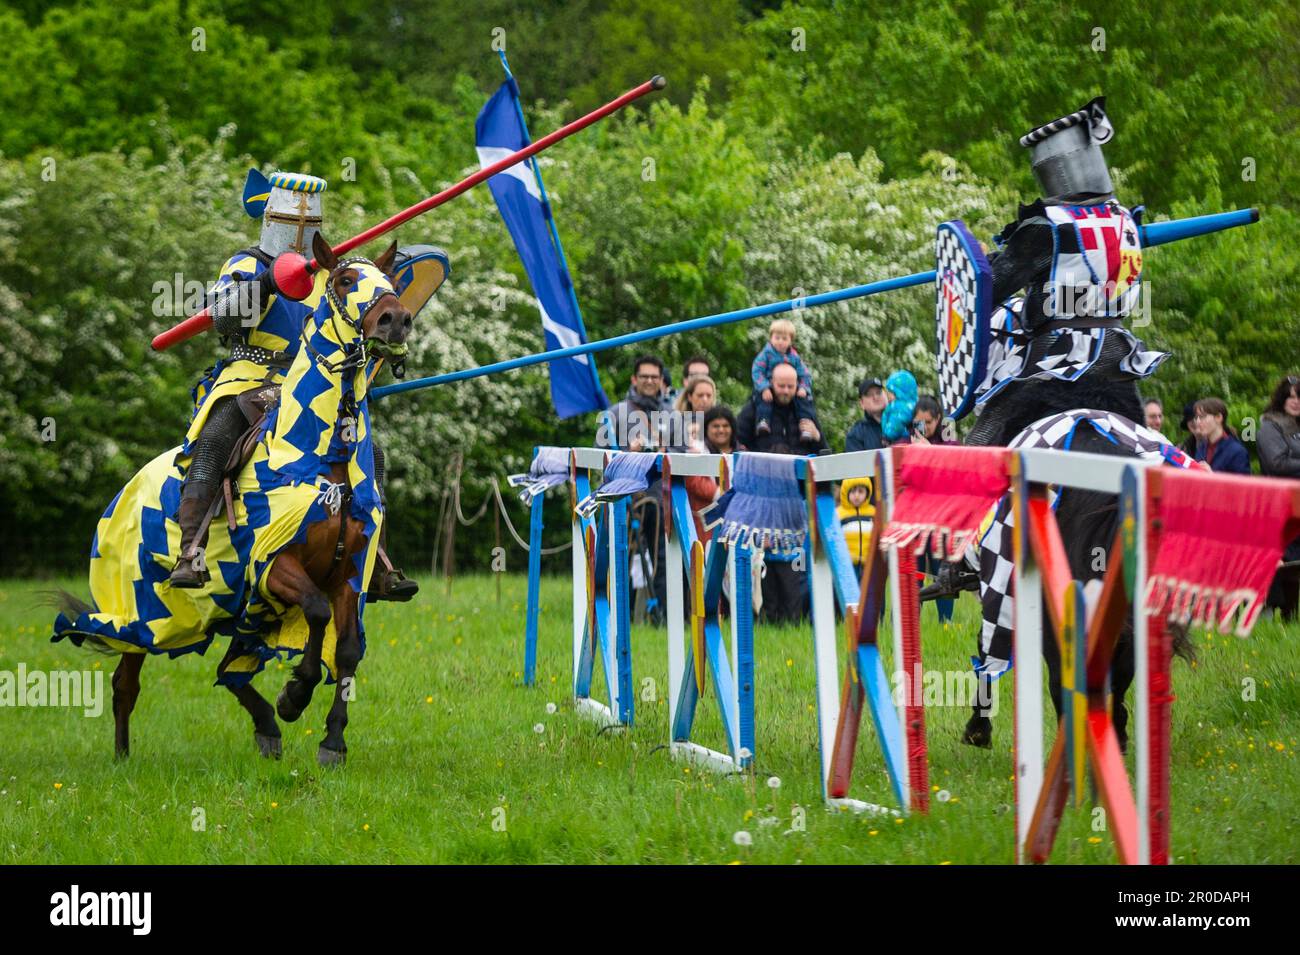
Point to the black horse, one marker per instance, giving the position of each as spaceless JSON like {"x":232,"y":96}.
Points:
{"x":1088,"y":521}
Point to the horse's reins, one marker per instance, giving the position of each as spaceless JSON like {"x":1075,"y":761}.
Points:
{"x":356,"y":359}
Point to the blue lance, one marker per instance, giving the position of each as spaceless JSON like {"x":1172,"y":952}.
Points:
{"x":1157,"y":233}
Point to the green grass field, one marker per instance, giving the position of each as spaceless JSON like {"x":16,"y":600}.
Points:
{"x":443,"y":742}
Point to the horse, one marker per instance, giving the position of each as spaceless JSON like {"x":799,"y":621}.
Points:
{"x":1034,"y":413}
{"x":287,"y":568}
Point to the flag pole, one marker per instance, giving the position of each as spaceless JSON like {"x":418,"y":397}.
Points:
{"x":550,"y":219}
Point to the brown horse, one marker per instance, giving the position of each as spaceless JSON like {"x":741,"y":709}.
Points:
{"x":316,"y":573}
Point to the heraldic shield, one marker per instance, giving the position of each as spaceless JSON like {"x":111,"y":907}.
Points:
{"x":963,"y":302}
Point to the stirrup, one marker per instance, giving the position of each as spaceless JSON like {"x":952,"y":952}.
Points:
{"x":190,"y":573}
{"x":388,"y":583}
{"x":391,"y":585}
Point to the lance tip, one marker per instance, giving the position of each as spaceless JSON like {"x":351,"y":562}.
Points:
{"x":657,"y":82}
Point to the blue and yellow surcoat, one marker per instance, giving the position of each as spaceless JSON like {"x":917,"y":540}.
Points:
{"x":279,"y":329}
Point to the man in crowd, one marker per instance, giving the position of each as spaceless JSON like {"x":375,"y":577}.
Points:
{"x":788,"y":429}
{"x":695,"y":365}
{"x":867,"y":435}
{"x":1154,"y":413}
{"x":639,"y":423}
{"x":785,"y":576}
{"x":636,"y":422}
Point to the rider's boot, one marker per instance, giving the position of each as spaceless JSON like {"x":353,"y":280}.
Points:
{"x":979,"y":728}
{"x":950,"y":580}
{"x":190,"y":570}
{"x":387,"y":582}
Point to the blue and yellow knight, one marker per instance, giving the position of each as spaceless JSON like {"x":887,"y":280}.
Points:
{"x":264,"y":332}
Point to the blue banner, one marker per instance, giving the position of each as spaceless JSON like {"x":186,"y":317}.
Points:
{"x":521,"y":197}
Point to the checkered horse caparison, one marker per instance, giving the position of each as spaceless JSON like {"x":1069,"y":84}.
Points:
{"x":995,"y":559}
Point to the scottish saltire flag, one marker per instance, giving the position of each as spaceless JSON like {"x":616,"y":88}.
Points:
{"x":520,"y":196}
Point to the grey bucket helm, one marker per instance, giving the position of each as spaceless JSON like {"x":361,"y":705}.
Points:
{"x":1066,"y":153}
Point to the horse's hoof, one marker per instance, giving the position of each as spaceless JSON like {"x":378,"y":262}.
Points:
{"x":978,"y":732}
{"x":285,"y":707}
{"x":331,"y":757}
{"x":269,"y":746}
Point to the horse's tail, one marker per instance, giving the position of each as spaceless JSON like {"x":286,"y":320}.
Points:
{"x":70,"y":607}
{"x":1182,"y":643}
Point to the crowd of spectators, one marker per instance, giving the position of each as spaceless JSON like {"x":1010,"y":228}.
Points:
{"x":780,"y":417}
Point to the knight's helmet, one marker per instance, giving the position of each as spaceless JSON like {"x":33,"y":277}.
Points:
{"x":289,"y":205}
{"x":1066,"y":153}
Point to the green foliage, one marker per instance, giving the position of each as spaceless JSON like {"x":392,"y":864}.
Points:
{"x":1224,"y":306}
{"x":1194,"y":88}
{"x":765,"y":171}
{"x":75,"y":329}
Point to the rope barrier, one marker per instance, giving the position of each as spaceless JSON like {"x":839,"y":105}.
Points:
{"x":546,"y":551}
{"x":450,"y":507}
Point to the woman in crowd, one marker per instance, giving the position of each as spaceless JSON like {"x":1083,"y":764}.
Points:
{"x":697,"y":396}
{"x":927,"y":422}
{"x":720,"y":430}
{"x":1279,"y":456}
{"x":1217,"y":443}
{"x":719,"y":438}
{"x":1279,"y":431}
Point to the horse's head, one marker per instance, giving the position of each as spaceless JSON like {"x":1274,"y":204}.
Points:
{"x":361,"y":293}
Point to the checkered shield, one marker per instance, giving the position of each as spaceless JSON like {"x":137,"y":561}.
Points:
{"x":963,"y":302}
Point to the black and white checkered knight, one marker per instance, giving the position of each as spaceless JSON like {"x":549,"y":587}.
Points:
{"x":1065,"y":277}
{"x":1076,"y":256}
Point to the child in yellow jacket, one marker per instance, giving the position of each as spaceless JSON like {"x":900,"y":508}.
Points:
{"x":857,"y":515}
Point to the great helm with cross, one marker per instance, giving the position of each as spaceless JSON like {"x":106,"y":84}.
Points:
{"x":289,"y":204}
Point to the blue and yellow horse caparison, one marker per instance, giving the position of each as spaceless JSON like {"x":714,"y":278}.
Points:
{"x":290,"y":577}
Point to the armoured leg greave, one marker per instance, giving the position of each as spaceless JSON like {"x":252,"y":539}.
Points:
{"x":211,"y":452}
{"x":379,"y":471}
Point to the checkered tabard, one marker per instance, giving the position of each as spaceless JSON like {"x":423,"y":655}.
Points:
{"x":961,"y":369}
{"x":1065,"y":355}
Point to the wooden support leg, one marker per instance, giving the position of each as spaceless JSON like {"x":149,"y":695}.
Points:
{"x":1159,"y":657}
{"x":918,"y":768}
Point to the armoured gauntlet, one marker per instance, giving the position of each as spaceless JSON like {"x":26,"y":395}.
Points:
{"x":236,"y":308}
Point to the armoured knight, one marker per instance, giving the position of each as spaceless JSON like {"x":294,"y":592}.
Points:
{"x":1077,"y":257}
{"x":263,"y":331}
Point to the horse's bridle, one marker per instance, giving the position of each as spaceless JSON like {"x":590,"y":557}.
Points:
{"x":355,"y":355}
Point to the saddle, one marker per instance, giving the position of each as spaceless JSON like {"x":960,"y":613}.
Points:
{"x":256,"y":405}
